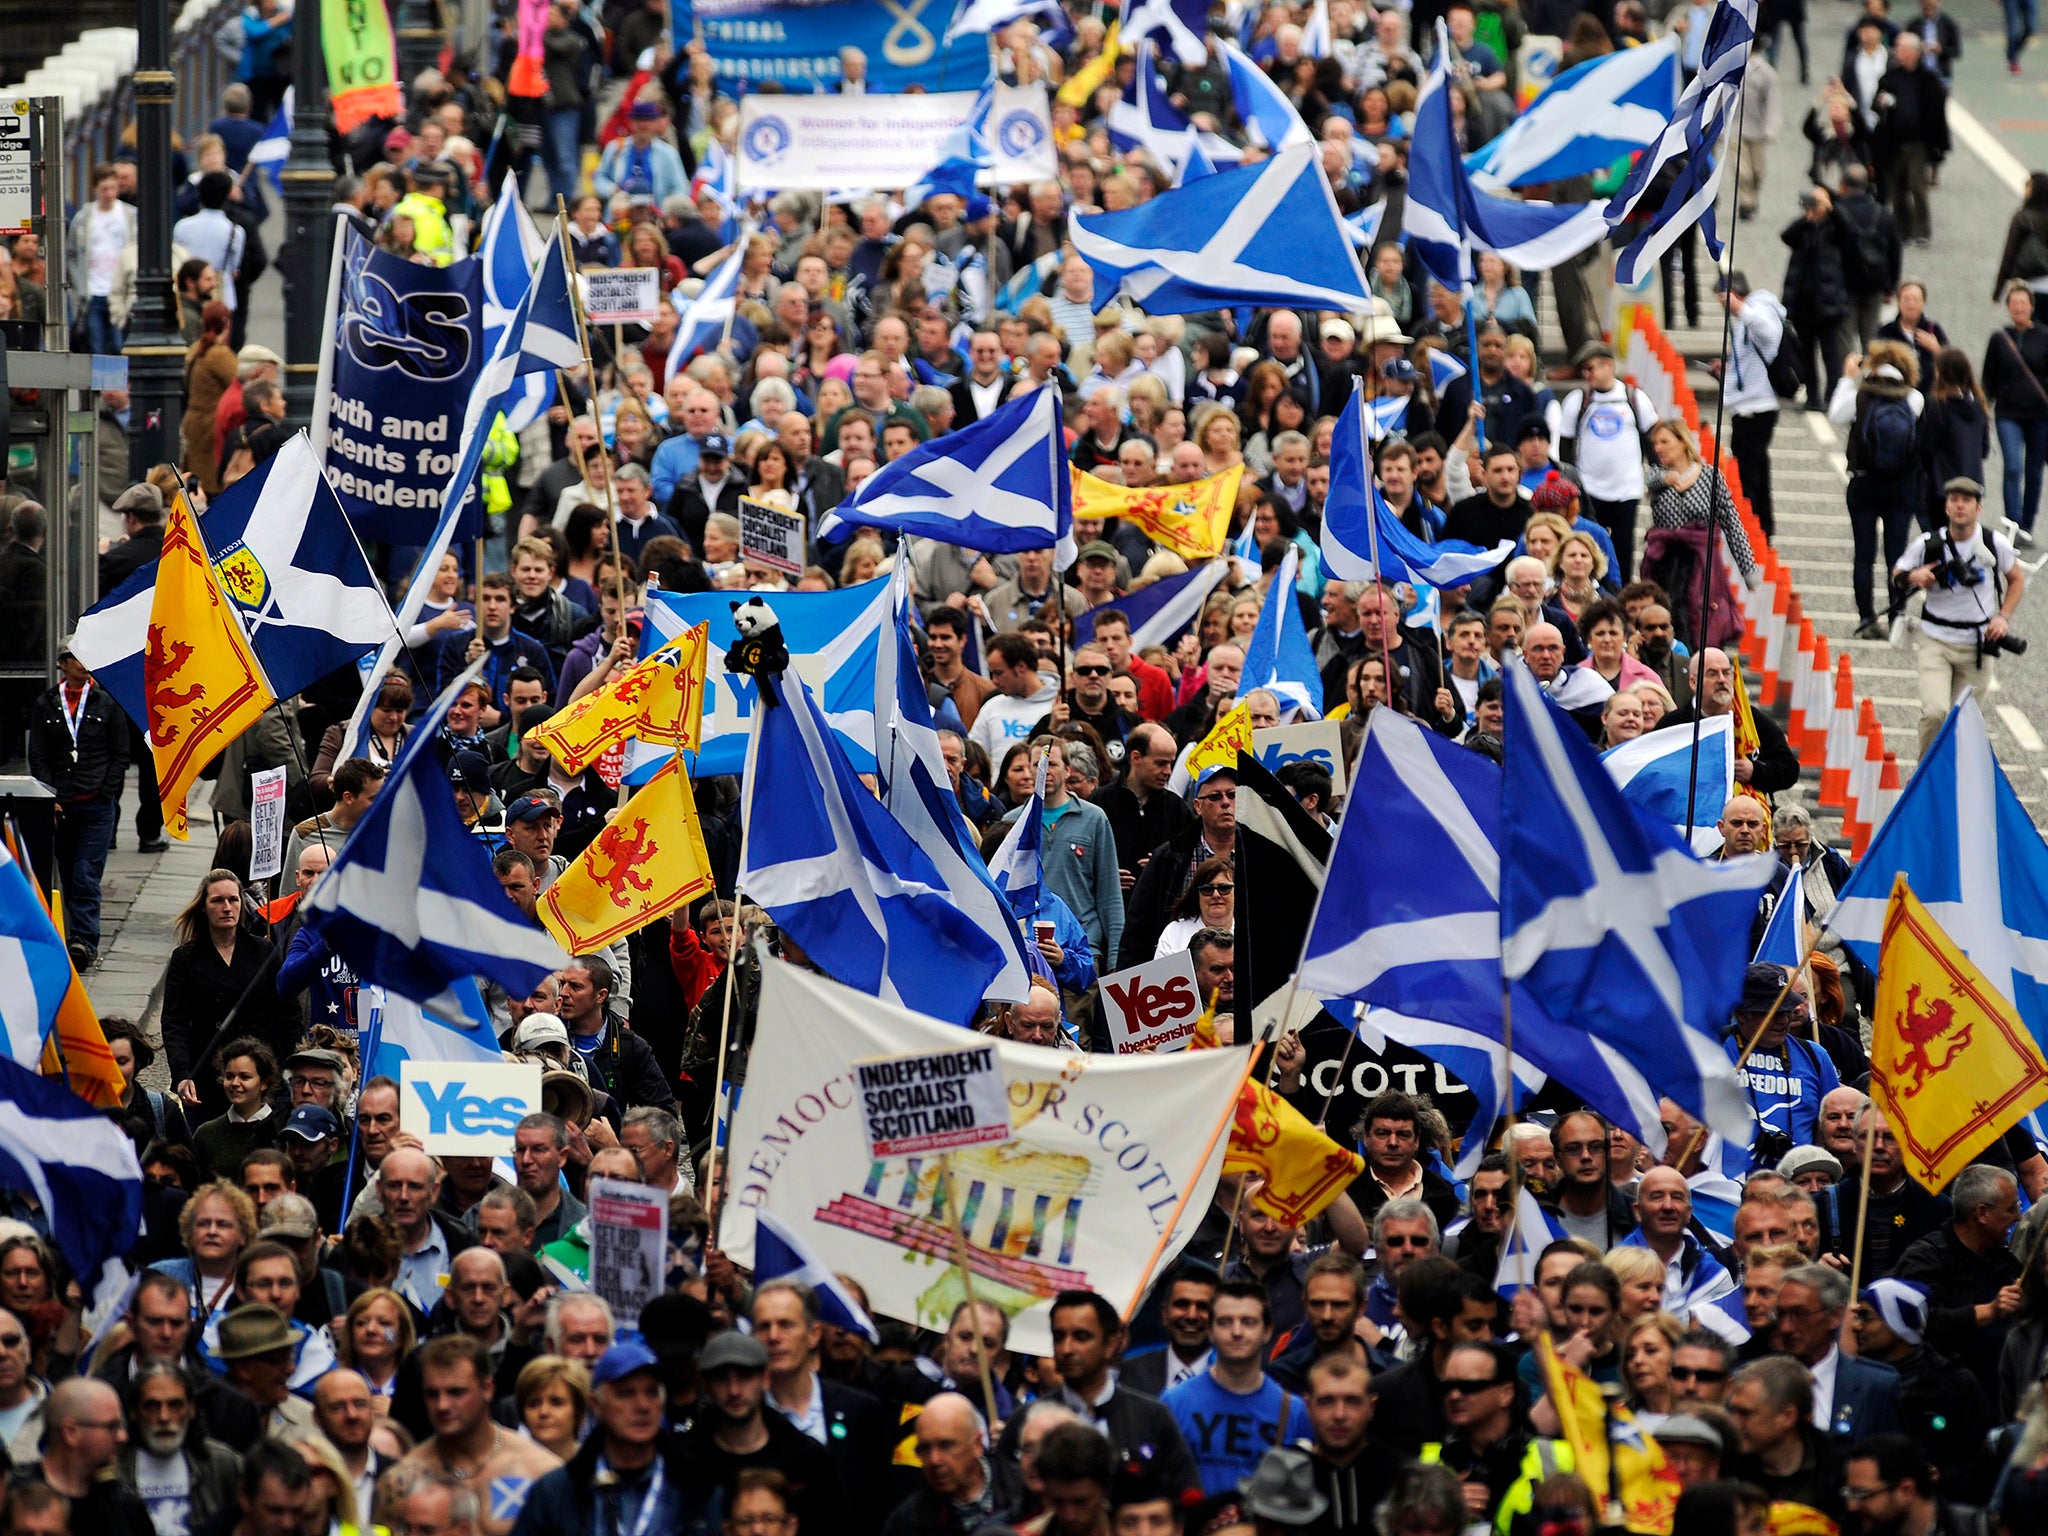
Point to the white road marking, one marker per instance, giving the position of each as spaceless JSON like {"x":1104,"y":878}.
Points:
{"x":2022,"y":729}
{"x":1983,"y":143}
{"x":1823,"y":432}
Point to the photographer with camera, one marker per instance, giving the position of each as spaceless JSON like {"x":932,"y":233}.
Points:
{"x":1973,"y":584}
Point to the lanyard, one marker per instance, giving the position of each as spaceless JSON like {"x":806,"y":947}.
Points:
{"x":72,"y":718}
{"x":655,"y":1484}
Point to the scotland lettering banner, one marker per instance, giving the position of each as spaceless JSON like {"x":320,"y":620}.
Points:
{"x":823,"y":143}
{"x":1107,"y":1149}
{"x":797,"y":42}
{"x":402,"y":353}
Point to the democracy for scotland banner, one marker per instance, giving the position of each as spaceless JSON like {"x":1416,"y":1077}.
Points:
{"x":404,"y":350}
{"x":797,"y":42}
{"x":823,"y":143}
{"x":1106,"y":1149}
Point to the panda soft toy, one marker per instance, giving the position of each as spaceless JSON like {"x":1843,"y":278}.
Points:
{"x":759,"y":653}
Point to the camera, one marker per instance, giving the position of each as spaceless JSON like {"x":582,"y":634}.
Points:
{"x":1770,"y":1146}
{"x":2011,"y":644}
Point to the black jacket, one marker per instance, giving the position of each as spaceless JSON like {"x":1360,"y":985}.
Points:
{"x":563,"y":1503}
{"x":1955,"y":439}
{"x":124,"y":557}
{"x":1880,"y":253}
{"x":1132,"y":1421}
{"x":109,"y":1508}
{"x":1817,"y":273}
{"x":2015,"y":366}
{"x":1139,"y":829}
{"x":1916,"y":114}
{"x":624,"y":1066}
{"x":689,"y":511}
{"x":1897,"y":1221}
{"x":817,"y":1497}
{"x":1958,"y":1281}
{"x":1149,"y":906}
{"x":1354,"y":1488}
{"x":199,"y":993}
{"x":1408,"y":1405}
{"x":964,"y":412}
{"x":925,"y":1513}
{"x":96,"y":767}
{"x":1946,"y":1409}
{"x":859,"y":1439}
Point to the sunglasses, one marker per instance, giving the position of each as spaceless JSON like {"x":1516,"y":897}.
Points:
{"x":1690,"y":1373}
{"x":1216,"y":888}
{"x":1091,"y":671}
{"x":1463,"y":1386}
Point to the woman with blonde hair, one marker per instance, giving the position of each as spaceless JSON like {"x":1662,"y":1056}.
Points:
{"x":1641,"y":1274}
{"x":553,"y":1395}
{"x":333,"y":1503}
{"x":1216,"y":433}
{"x":376,"y":1336}
{"x":1648,"y":1343}
{"x":1147,"y":399}
{"x":1543,"y":535}
{"x":864,"y":556}
{"x":214,"y":1226}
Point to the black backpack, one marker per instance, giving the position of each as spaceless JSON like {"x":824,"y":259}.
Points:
{"x":1870,"y":252}
{"x":1783,"y":365}
{"x":1887,"y":433}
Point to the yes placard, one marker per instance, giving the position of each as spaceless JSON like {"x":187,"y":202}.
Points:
{"x":1154,"y":1006}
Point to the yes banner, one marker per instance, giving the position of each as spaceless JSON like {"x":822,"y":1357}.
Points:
{"x":1106,"y":1150}
{"x":402,"y":353}
{"x":798,"y":43}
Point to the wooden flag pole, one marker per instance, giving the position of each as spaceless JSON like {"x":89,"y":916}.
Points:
{"x":1862,"y":1210}
{"x":988,"y":1380}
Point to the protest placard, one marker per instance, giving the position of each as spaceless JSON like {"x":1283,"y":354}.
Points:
{"x":628,"y":1245}
{"x":622,"y":295}
{"x":468,"y":1108}
{"x":266,"y":822}
{"x":937,"y":1102}
{"x":1315,"y":741}
{"x":772,"y":537}
{"x":1154,"y":1006}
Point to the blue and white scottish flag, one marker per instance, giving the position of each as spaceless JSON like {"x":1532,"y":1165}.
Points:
{"x":1443,"y":369}
{"x":834,"y":640}
{"x":779,"y":1254}
{"x":1784,"y":940}
{"x":410,"y":902}
{"x":1364,"y":225}
{"x":1610,"y":921}
{"x":275,"y":147}
{"x":1018,"y":867}
{"x":1145,"y":118}
{"x":999,"y":486}
{"x":1185,"y":24}
{"x":35,"y":971}
{"x":1267,"y":233}
{"x":79,"y":1164}
{"x":1533,"y":1230}
{"x":1270,"y":120}
{"x":509,"y":248}
{"x":971,"y":16}
{"x":842,"y":877}
{"x":1585,"y":119}
{"x":1278,"y":657}
{"x":400,"y":1032}
{"x":701,"y":321}
{"x":1655,"y":771}
{"x":1359,"y":525}
{"x":1161,"y":613}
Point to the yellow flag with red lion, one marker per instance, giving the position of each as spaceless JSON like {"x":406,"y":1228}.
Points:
{"x":658,"y":700}
{"x":647,"y":863}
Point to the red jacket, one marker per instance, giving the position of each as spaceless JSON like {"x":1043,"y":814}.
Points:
{"x":696,"y":969}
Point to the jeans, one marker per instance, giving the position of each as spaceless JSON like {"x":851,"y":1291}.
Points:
{"x":2019,"y":26}
{"x":1749,"y":442}
{"x":102,"y":337}
{"x":562,"y":149}
{"x":84,"y":829}
{"x":1871,"y":501}
{"x":2022,"y":445}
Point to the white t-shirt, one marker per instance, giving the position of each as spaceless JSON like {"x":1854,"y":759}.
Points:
{"x":106,"y":239}
{"x":165,"y":1486}
{"x":1609,"y":427}
{"x":1955,"y":610}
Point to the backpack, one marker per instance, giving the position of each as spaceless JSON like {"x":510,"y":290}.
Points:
{"x":1887,"y":433}
{"x":1782,"y":368}
{"x":1870,"y":251}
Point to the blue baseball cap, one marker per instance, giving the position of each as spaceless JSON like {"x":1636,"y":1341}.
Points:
{"x":312,"y":1122}
{"x":622,"y":1360}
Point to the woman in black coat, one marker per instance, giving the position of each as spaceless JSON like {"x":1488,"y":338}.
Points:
{"x":1955,"y":433}
{"x":218,"y":960}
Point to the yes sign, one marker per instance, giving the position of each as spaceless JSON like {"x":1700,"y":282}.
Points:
{"x":1153,"y":1006}
{"x":465,"y":1107}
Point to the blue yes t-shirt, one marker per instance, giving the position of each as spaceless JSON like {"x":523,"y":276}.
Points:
{"x":1230,"y":1431}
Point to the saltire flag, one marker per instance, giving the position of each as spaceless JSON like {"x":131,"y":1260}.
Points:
{"x":719,"y":174}
{"x":1364,"y":225}
{"x":1950,"y":1061}
{"x":1611,"y":922}
{"x":648,"y":861}
{"x":1587,"y":118}
{"x":1784,"y":940}
{"x":79,"y":1164}
{"x":1609,"y":1448}
{"x":842,"y":877}
{"x":1283,"y":854}
{"x":542,"y":334}
{"x":1018,"y":867}
{"x":1315,"y":31}
{"x":508,"y":250}
{"x":1162,"y":612}
{"x":1476,"y":1058}
{"x":971,"y":16}
{"x":44,"y":1009}
{"x":1270,"y":120}
{"x":1000,"y":485}
{"x":779,"y":1254}
{"x":201,"y":681}
{"x":659,"y":701}
{"x":1145,"y":118}
{"x":400,"y":1032}
{"x":1278,"y":657}
{"x":834,"y":641}
{"x":1693,"y":132}
{"x":411,"y":901}
{"x":1430,"y":949}
{"x":275,"y":147}
{"x":1267,"y":233}
{"x":1972,"y":854}
{"x":1531,"y":1231}
{"x":701,"y":322}
{"x":1191,"y":520}
{"x":918,"y":791}
{"x":1656,"y":772}
{"x":1444,"y":369}
{"x":1025,"y":282}
{"x":1184,"y":23}
{"x":1357,"y":523}
{"x":1446,"y":218}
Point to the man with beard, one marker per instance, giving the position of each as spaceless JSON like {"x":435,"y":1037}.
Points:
{"x":1341,"y":1406}
{"x":343,"y":1412}
{"x":1890,"y":1487}
{"x":183,"y":1477}
{"x":738,"y":1433}
{"x":1655,"y":648}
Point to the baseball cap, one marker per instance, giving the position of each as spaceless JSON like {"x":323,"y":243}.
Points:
{"x":312,"y":1122}
{"x":733,"y":1350}
{"x":1099,"y":549}
{"x":539,"y":1029}
{"x":1224,"y":770}
{"x":716,"y":445}
{"x":290,"y":1217}
{"x":623,"y":1360}
{"x":645,"y":111}
{"x":1399,"y":369}
{"x":471,"y":771}
{"x":531,"y":808}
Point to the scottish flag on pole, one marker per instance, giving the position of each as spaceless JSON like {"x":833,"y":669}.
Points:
{"x":1018,"y":866}
{"x":275,"y":147}
{"x":400,"y":1032}
{"x":1315,"y":32}
{"x":1364,"y":225}
{"x":1267,"y":233}
{"x":993,"y":15}
{"x":1609,"y":920}
{"x":1145,"y":118}
{"x":1270,"y":119}
{"x":1694,"y":131}
{"x":1278,"y":657}
{"x":1532,"y":1230}
{"x":1784,"y":940}
{"x":999,"y":486}
{"x":35,"y":971}
{"x":1161,"y":613}
{"x":1477,"y":1058}
{"x":844,"y":879}
{"x":410,"y":901}
{"x":1585,"y":119}
{"x":80,"y":1165}
{"x":509,"y":249}
{"x":1184,"y":23}
{"x":1961,"y":837}
{"x":779,"y":1254}
{"x":1446,"y":218}
{"x":701,"y":322}
{"x":1355,"y":515}
{"x":1655,"y":771}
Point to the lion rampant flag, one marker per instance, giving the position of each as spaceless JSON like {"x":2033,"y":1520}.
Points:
{"x":1950,"y":1062}
{"x":660,"y":699}
{"x":1192,"y":520}
{"x":201,"y":679}
{"x":1643,"y":1481}
{"x":647,"y":863}
{"x":1230,"y":735}
{"x":76,"y":1049}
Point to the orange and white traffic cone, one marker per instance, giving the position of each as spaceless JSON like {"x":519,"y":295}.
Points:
{"x":1838,"y":753}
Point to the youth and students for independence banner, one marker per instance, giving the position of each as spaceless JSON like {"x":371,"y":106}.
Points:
{"x":1106,"y":1150}
{"x":821,"y":143}
{"x":798,"y":43}
{"x":399,"y":363}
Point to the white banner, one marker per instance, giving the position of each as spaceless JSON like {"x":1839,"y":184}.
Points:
{"x":628,"y":1245}
{"x":621,"y":295}
{"x":1315,"y":741}
{"x":1106,"y":1149}
{"x":266,"y":822}
{"x":830,"y":143}
{"x":469,"y":1108}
